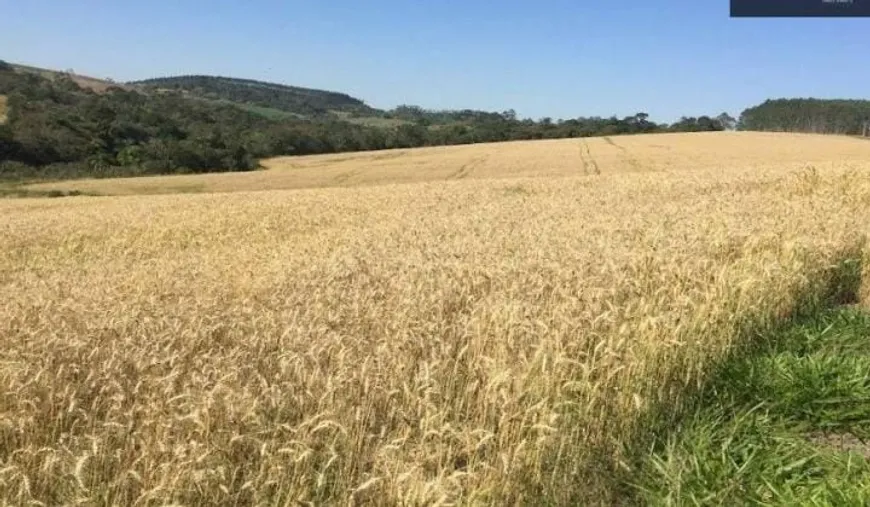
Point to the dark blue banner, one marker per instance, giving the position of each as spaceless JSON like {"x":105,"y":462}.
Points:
{"x":800,"y":8}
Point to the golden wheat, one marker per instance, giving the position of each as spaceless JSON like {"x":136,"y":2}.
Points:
{"x":557,"y":158}
{"x":490,"y":340}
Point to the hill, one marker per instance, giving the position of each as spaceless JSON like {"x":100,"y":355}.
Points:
{"x":266,"y":99}
{"x":63,"y":125}
{"x":85,"y":82}
{"x":305,"y":102}
{"x":59,"y":129}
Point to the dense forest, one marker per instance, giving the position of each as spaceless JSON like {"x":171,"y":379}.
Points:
{"x":304,"y":102}
{"x":56,"y":129}
{"x":846,"y":117}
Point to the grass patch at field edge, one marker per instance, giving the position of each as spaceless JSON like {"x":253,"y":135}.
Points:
{"x":785,"y":426}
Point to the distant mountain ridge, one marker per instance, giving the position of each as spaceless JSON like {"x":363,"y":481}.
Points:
{"x":271,"y":100}
{"x":304,"y":102}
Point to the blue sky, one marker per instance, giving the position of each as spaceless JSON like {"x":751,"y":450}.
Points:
{"x":554,"y":58}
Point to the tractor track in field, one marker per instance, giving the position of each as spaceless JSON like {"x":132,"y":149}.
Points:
{"x":632,"y":162}
{"x":467,"y":168}
{"x":590,"y":166}
{"x":611,"y":142}
{"x":344,"y":176}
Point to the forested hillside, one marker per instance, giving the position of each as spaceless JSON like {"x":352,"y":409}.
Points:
{"x":54,"y":128}
{"x":57,"y":129}
{"x":304,"y":102}
{"x":847,"y":117}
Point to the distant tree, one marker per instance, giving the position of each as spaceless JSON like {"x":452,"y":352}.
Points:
{"x":638,"y":123}
{"x":693,"y":124}
{"x":8,"y":146}
{"x":706,"y":124}
{"x":640,"y":120}
{"x":5,"y":66}
{"x":727,"y":121}
{"x":409,"y":136}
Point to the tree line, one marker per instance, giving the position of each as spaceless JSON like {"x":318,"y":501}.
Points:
{"x":55,"y":129}
{"x":820,"y":116}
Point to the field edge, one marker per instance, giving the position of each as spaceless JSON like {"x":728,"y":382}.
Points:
{"x":843,"y":289}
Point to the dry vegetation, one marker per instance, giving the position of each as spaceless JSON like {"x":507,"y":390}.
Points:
{"x":570,"y":157}
{"x":491,"y":340}
{"x":2,"y":109}
{"x":90,"y":83}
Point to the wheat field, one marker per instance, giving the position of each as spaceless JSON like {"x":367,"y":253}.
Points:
{"x":556,"y":158}
{"x":450,"y":326}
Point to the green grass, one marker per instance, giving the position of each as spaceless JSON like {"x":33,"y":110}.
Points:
{"x":266,"y":112}
{"x":785,"y":425}
{"x":369,"y":121}
{"x":378,"y":122}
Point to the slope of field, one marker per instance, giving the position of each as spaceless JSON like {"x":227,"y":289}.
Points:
{"x":492,"y":339}
{"x":564,"y":157}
